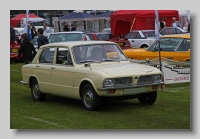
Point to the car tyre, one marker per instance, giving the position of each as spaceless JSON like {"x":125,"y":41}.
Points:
{"x":148,"y":98}
{"x":35,"y":91}
{"x":90,"y":99}
{"x":144,"y":46}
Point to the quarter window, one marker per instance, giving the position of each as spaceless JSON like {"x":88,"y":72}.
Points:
{"x":184,"y":46}
{"x":61,"y":55}
{"x":47,"y":55}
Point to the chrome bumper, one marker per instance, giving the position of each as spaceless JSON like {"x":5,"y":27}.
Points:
{"x":25,"y":83}
{"x":132,"y":86}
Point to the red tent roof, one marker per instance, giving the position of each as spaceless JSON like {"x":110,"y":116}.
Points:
{"x":20,"y":16}
{"x":124,"y":21}
{"x":17,"y":19}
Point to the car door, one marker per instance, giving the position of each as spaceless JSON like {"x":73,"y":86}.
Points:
{"x":166,"y":51}
{"x":182,"y":53}
{"x":132,"y":38}
{"x":43,"y":68}
{"x":62,"y":73}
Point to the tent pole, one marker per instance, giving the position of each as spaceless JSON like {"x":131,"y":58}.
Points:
{"x":132,"y":24}
{"x":59,"y":26}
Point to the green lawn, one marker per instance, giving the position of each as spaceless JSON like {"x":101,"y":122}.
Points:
{"x":170,"y":111}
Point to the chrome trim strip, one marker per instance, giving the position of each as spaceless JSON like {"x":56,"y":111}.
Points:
{"x":23,"y":82}
{"x":133,"y":86}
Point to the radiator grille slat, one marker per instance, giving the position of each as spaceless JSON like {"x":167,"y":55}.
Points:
{"x":145,"y":79}
{"x":122,"y":81}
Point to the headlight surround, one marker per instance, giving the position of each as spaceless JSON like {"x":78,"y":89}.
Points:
{"x":108,"y":83}
{"x":157,"y":78}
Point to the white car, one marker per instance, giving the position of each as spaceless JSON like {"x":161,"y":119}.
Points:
{"x":172,"y":30}
{"x":141,"y":38}
{"x":68,"y":36}
{"x":108,"y":30}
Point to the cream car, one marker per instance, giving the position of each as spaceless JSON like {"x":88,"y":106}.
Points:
{"x":91,"y":71}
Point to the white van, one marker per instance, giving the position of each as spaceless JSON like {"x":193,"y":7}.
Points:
{"x":32,"y":21}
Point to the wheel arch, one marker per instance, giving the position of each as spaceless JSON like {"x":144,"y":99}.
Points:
{"x":31,"y":79}
{"x":83,"y":83}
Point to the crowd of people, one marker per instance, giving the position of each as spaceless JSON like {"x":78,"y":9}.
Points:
{"x":28,"y":49}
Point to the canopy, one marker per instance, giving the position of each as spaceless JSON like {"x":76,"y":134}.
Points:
{"x":80,"y":16}
{"x":124,"y":21}
{"x":105,"y":15}
{"x":17,"y":19}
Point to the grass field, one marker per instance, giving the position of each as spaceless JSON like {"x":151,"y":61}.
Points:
{"x":170,"y":111}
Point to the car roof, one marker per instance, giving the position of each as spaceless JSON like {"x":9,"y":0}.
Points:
{"x":141,"y":30}
{"x":186,"y":35}
{"x":67,"y":32}
{"x":98,"y":33}
{"x":76,"y":43}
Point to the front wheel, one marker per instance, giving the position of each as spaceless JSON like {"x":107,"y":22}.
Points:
{"x":148,"y":98}
{"x":90,"y":99}
{"x":35,"y":91}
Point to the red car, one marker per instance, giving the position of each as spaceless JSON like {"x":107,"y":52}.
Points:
{"x":14,"y":49}
{"x":122,"y":42}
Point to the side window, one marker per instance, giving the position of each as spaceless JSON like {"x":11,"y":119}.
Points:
{"x":178,"y":31}
{"x":61,"y":55}
{"x":132,"y":35}
{"x":127,"y":35}
{"x":138,"y":36}
{"x":184,"y":46}
{"x":90,"y":36}
{"x":47,"y":55}
{"x":17,"y":33}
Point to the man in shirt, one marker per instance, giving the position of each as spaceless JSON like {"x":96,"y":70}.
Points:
{"x":175,"y":23}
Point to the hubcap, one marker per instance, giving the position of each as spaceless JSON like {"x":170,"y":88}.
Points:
{"x":88,"y":98}
{"x":36,"y":91}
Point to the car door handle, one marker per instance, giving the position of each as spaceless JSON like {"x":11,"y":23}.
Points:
{"x":169,"y":57}
{"x":132,"y":40}
{"x":37,"y":66}
{"x":53,"y":68}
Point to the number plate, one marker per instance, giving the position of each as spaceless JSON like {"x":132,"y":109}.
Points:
{"x":15,"y":50}
{"x":132,"y":91}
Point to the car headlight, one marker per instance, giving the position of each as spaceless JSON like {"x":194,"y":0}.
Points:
{"x":108,"y":82}
{"x":157,"y":78}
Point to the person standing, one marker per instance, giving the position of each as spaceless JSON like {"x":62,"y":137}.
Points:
{"x":73,"y":28}
{"x":27,"y":49}
{"x":33,"y":32}
{"x":66,"y":27}
{"x":29,"y":32}
{"x":12,"y":34}
{"x":42,"y":40}
{"x":175,"y":23}
{"x":162,"y":24}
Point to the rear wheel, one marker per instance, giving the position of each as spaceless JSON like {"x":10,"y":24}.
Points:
{"x":90,"y":99}
{"x":35,"y":91}
{"x":144,"y":46}
{"x":148,"y":98}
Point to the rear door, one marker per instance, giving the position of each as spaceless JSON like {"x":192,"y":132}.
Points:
{"x":43,"y":68}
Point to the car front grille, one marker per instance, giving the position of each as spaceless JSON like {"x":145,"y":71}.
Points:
{"x":147,"y":79}
{"x":123,"y":81}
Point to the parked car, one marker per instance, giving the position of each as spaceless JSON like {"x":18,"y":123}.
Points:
{"x":173,"y":47}
{"x":141,"y":38}
{"x":14,"y":50}
{"x":88,"y":31}
{"x":90,"y":71}
{"x":68,"y":36}
{"x":18,"y":33}
{"x":103,"y":36}
{"x":108,"y":30}
{"x":122,"y":42}
{"x":172,"y":30}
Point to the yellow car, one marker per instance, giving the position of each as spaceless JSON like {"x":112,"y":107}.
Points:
{"x":173,"y":47}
